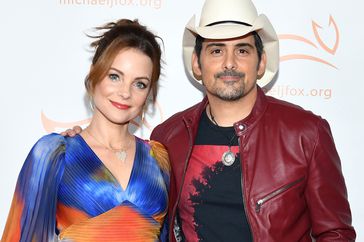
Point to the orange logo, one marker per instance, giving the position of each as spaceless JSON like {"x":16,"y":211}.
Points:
{"x":316,"y":31}
{"x":51,"y":125}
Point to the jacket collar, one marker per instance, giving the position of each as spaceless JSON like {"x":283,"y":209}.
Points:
{"x":257,"y":112}
{"x":192,"y":118}
{"x":193,"y":115}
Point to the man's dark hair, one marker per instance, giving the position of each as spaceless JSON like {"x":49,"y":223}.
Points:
{"x":257,"y":41}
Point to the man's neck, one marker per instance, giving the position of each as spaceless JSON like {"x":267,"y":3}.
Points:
{"x":226,"y":113}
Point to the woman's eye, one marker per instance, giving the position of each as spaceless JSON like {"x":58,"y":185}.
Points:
{"x":140,"y":85}
{"x":113,"y":77}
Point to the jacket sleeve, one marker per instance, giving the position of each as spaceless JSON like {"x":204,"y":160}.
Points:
{"x":33,"y":209}
{"x":326,"y":193}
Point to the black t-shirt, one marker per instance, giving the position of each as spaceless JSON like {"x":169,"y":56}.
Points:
{"x":211,"y":206}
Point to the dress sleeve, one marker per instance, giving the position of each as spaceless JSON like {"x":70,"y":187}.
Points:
{"x":326,"y":193}
{"x":33,"y":209}
{"x":161,"y":155}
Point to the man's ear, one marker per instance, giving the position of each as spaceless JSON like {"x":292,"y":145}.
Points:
{"x":196,"y":67}
{"x":262,"y":65}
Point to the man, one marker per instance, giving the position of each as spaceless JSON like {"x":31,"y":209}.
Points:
{"x":245,"y":166}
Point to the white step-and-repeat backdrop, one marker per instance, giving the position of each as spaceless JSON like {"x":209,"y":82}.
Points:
{"x":45,"y":57}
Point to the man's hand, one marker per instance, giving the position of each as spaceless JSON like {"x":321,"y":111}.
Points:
{"x":72,"y":132}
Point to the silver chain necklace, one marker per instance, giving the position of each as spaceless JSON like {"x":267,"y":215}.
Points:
{"x":228,"y":157}
{"x":121,"y":153}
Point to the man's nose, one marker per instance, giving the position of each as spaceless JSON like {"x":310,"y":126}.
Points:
{"x":230,"y":61}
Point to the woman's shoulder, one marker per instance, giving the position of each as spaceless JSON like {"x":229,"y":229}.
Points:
{"x":49,"y":143}
{"x":159,"y":152}
{"x":52,"y":137}
{"x":45,"y":153}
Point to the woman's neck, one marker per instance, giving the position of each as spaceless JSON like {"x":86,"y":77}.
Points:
{"x":108,"y":133}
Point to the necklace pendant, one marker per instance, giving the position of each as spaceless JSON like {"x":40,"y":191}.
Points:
{"x":228,"y":158}
{"x":121,"y":155}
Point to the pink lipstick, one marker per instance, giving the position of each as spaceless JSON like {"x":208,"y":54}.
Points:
{"x":119,"y":105}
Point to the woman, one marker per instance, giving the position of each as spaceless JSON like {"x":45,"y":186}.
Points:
{"x":104,"y":184}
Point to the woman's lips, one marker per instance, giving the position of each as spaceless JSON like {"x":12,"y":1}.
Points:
{"x":119,"y":105}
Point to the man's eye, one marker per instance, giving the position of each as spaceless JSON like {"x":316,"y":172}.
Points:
{"x":217,"y":51}
{"x":113,"y":77}
{"x":243,"y":51}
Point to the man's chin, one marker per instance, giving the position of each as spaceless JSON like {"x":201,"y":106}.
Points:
{"x":231,"y":97}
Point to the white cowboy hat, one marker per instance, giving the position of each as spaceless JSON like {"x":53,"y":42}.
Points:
{"x":224,"y":19}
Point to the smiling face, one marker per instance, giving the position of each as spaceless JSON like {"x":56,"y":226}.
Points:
{"x":229,"y":68}
{"x":121,"y":94}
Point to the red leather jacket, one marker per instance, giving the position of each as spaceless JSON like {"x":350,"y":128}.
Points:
{"x":292,"y":184}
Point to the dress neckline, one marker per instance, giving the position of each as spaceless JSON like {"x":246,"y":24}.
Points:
{"x":101,"y":163}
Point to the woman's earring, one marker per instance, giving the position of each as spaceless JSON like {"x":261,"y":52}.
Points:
{"x":92,"y":104}
{"x":143,"y":115}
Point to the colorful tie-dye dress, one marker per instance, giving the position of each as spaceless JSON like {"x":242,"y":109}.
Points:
{"x":64,"y":192}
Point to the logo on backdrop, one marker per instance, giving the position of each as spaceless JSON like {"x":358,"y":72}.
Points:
{"x":51,"y":125}
{"x":156,"y":4}
{"x":331,"y":49}
{"x":325,"y":46}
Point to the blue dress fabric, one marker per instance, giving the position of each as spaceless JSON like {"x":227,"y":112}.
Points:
{"x":65,"y":190}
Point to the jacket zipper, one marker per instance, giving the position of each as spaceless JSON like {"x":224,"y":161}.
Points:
{"x":242,"y":190}
{"x":261,"y":201}
{"x":183,"y":177}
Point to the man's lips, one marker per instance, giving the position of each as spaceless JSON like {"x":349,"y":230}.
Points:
{"x":119,"y":105}
{"x":230,"y":75}
{"x":230,"y":78}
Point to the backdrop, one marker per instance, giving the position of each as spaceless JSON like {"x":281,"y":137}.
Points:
{"x":45,"y":57}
